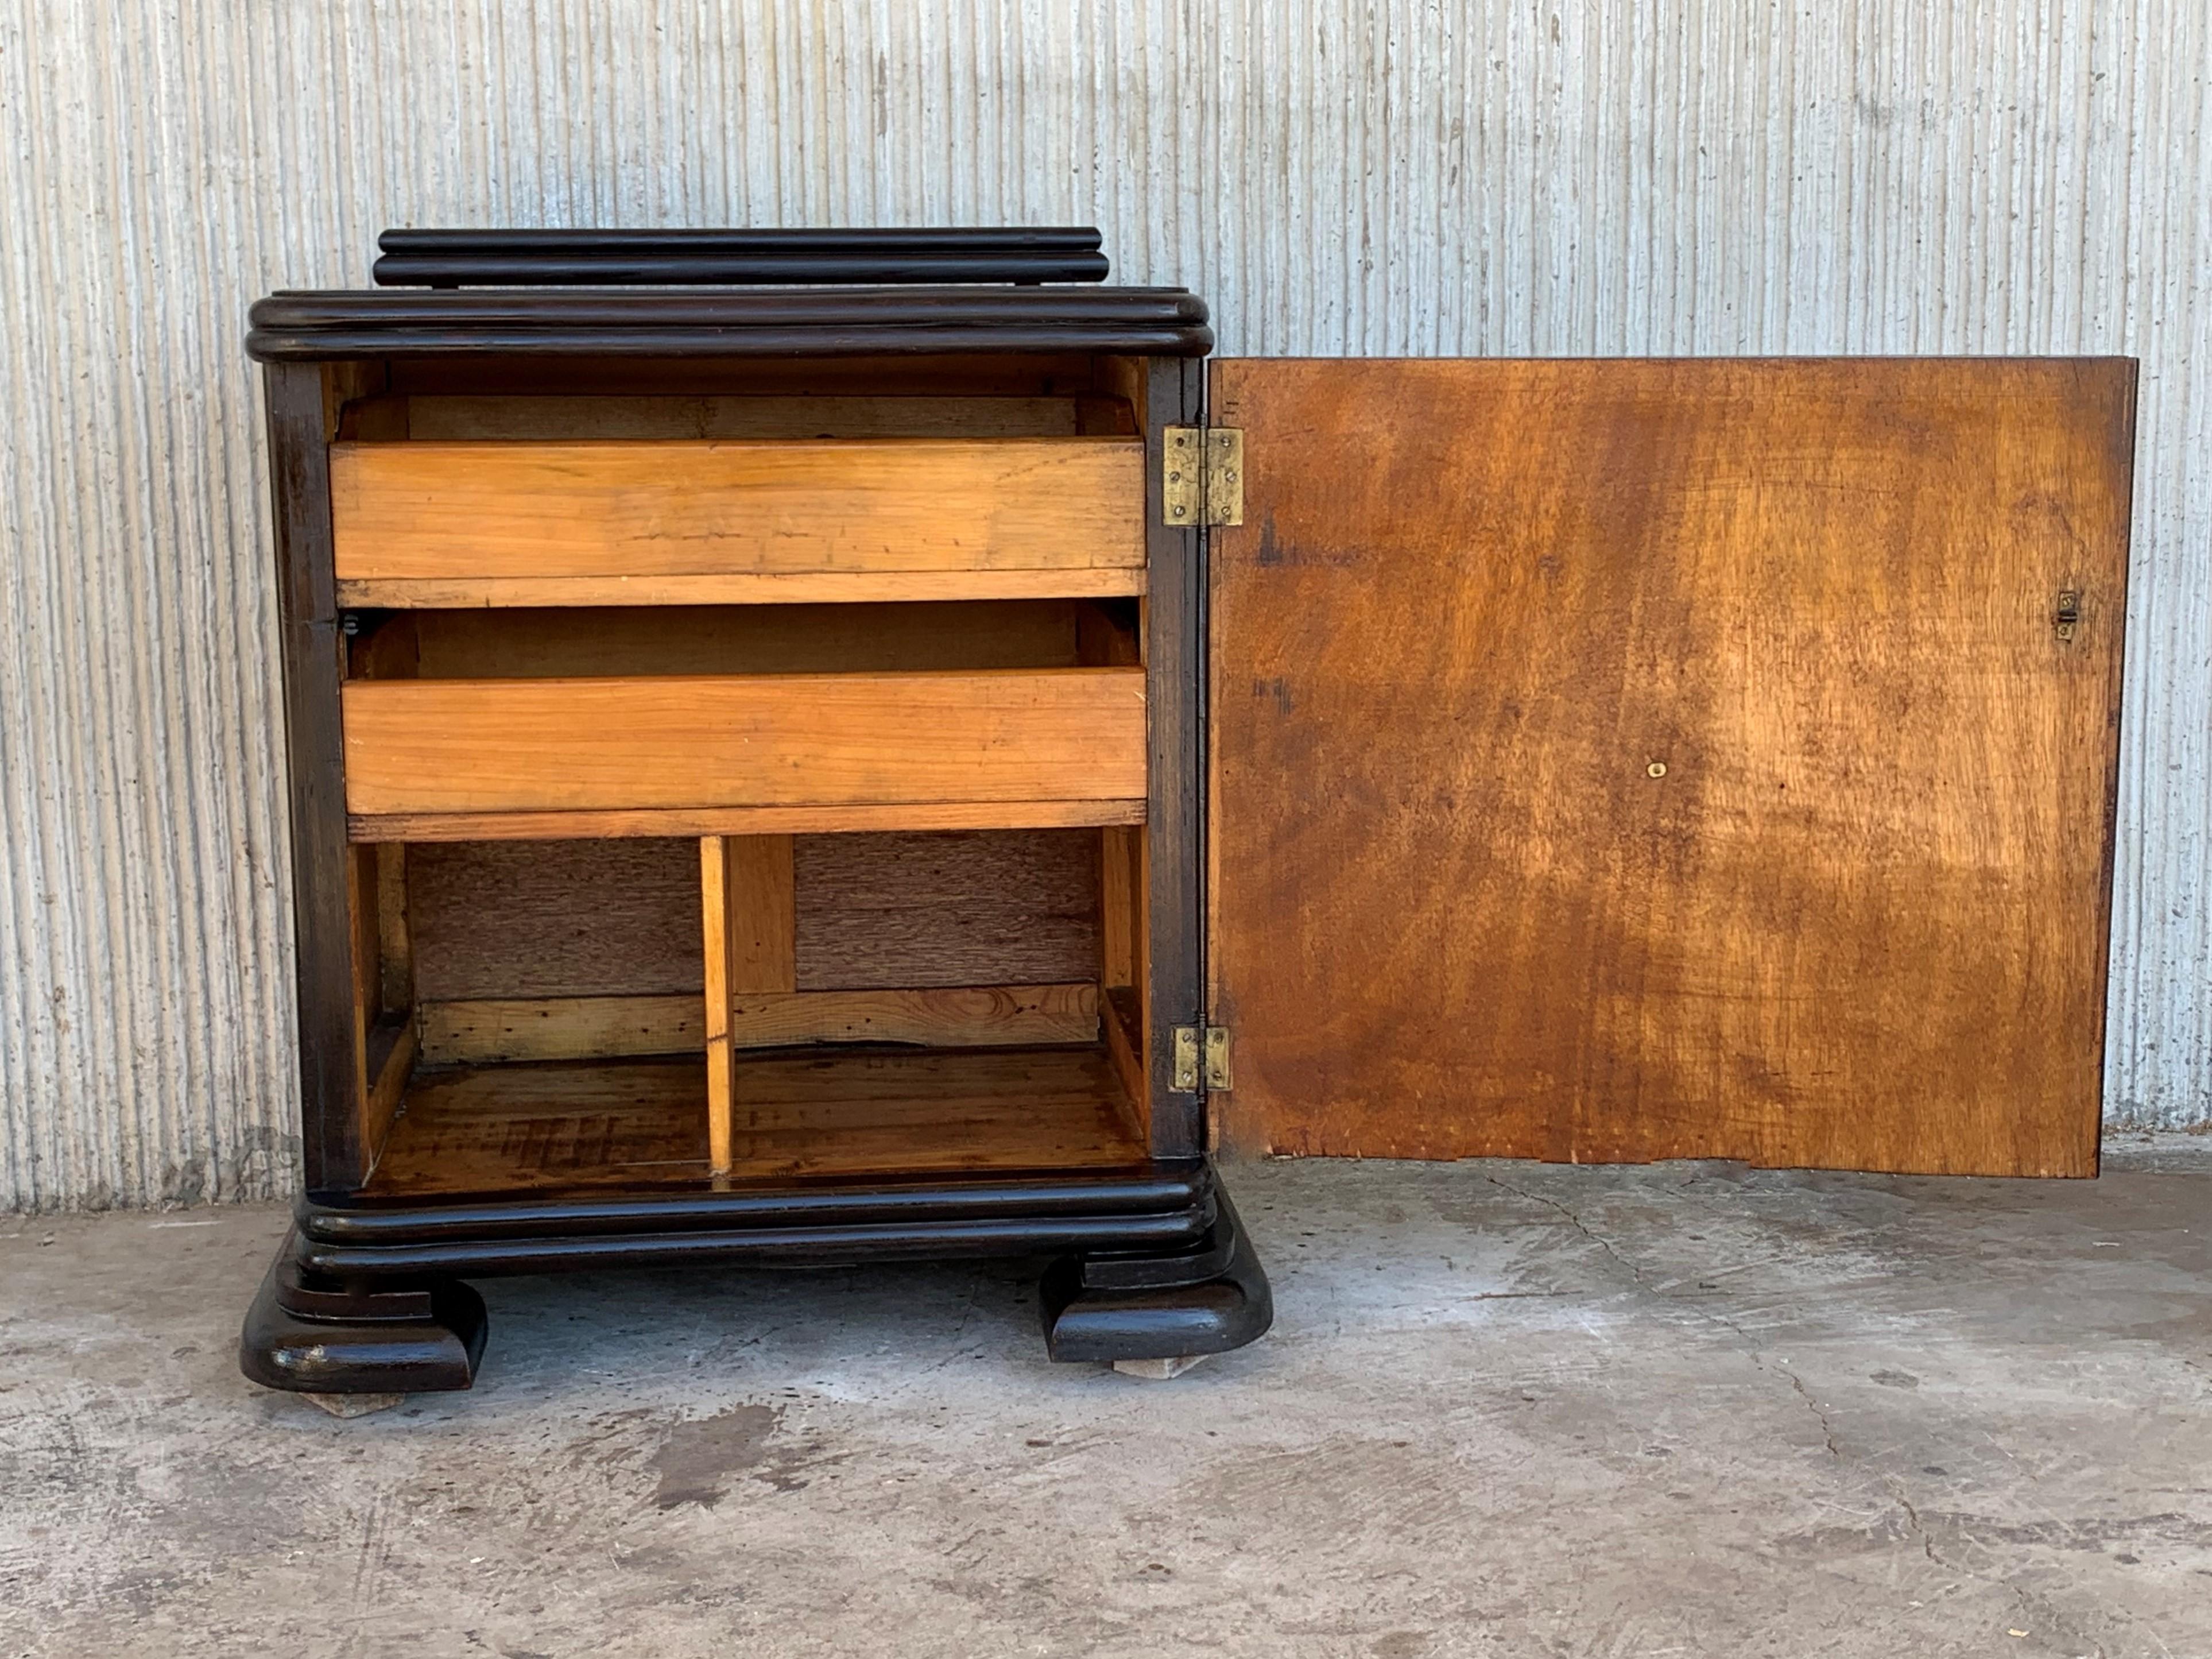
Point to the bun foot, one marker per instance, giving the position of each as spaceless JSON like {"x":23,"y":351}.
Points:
{"x":355,"y":1343}
{"x":1163,"y":1312}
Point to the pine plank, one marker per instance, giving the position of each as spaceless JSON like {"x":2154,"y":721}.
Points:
{"x":676,"y":742}
{"x":420,"y":510}
{"x":434,"y":826}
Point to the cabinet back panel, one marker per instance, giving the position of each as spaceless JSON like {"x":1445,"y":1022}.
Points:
{"x":548,"y":419}
{"x":1620,"y":760}
{"x":493,"y":921}
{"x":953,"y":375}
{"x":878,"y":911}
{"x":583,"y":642}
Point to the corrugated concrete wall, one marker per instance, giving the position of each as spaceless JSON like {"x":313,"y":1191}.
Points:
{"x":1495,"y":176}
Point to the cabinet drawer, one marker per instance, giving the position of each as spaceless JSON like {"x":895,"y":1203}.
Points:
{"x":431,"y":525}
{"x":451,"y":759}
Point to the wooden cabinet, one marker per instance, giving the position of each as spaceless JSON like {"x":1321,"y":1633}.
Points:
{"x":798,"y":773}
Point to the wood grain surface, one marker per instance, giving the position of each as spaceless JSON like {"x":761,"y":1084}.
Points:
{"x":560,"y":1029}
{"x":741,"y":587}
{"x":1621,"y":760}
{"x":956,"y":1016}
{"x":734,"y":507}
{"x":692,"y":821}
{"x":609,"y":1028}
{"x":719,"y":927}
{"x":424,"y":746}
{"x":603,"y":1123}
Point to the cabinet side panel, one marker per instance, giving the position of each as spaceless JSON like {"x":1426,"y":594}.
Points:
{"x":1622,"y":760}
{"x":333,"y":1131}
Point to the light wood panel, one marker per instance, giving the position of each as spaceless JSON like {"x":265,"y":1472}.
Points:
{"x":962,"y":1016}
{"x":1616,"y":761}
{"x":720,"y":926}
{"x":1121,"y":1016}
{"x":763,"y":923}
{"x":1051,"y":1109}
{"x":593,"y":1123}
{"x":395,"y":949}
{"x":743,"y":588}
{"x":597,"y":1124}
{"x":689,"y":822}
{"x":1120,"y":921}
{"x":560,"y":1028}
{"x":675,"y":742}
{"x":748,"y":899}
{"x":448,"y":512}
{"x":391,"y":1070}
{"x":605,"y":1028}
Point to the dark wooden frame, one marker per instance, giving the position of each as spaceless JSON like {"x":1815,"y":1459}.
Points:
{"x":366,"y":1293}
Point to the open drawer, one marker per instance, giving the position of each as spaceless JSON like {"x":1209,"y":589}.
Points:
{"x":774,"y":753}
{"x":660,"y":522}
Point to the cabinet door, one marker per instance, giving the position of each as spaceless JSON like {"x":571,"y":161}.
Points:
{"x":1614,"y":760}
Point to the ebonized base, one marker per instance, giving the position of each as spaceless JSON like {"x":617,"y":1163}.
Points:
{"x":368,"y":1298}
{"x":1120,"y":1305}
{"x":424,"y":1338}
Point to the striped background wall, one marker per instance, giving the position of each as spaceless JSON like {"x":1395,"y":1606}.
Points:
{"x":1494,"y":176}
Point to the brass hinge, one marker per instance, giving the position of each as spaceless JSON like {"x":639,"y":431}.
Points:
{"x":2066,"y":615}
{"x":1188,"y":1041}
{"x":1202,"y":475}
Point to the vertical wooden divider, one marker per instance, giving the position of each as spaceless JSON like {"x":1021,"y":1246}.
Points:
{"x":721,"y":1058}
{"x":748,"y":911}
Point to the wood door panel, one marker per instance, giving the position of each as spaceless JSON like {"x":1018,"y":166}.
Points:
{"x":1621,"y":761}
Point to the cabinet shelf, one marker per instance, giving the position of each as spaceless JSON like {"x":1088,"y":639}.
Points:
{"x":589,"y":1124}
{"x":678,"y":754}
{"x":430,"y":524}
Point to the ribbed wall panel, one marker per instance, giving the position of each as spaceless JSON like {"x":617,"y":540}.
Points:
{"x":1401,"y":177}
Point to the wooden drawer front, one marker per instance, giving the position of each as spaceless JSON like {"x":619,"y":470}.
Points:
{"x":651,"y":523}
{"x":812,"y":751}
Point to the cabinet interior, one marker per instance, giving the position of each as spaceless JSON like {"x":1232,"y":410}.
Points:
{"x":847,"y":988}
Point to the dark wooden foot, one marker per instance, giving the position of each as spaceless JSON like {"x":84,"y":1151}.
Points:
{"x":1123,"y":1306}
{"x":386,"y":1339}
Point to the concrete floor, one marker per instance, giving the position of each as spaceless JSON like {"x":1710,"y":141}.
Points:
{"x":1506,"y":1409}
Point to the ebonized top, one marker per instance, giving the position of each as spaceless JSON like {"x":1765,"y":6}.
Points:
{"x":534,"y":258}
{"x":720,"y":322}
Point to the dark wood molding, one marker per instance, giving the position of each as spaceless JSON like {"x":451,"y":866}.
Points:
{"x":825,"y":322}
{"x":524,"y":258}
